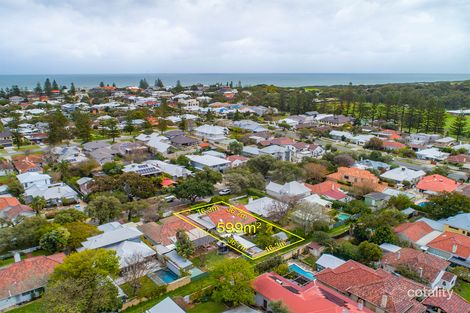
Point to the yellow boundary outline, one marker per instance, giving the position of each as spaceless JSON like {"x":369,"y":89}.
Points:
{"x":178,"y":215}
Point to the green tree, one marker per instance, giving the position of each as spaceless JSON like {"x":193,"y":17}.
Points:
{"x":369,"y":252}
{"x":233,"y":281}
{"x":129,"y":127}
{"x":38,"y":203}
{"x":63,"y":168}
{"x":384,"y":234}
{"x":135,"y":208}
{"x":191,"y":189}
{"x":104,"y":209}
{"x":112,"y":129}
{"x":374,"y":144}
{"x":47,"y":87}
{"x":15,"y":187}
{"x":184,"y":246}
{"x":284,"y":172}
{"x":447,"y":204}
{"x":83,"y":124}
{"x":57,"y":128}
{"x":458,"y":127}
{"x":162,"y":125}
{"x":72,"y":90}
{"x":38,"y":89}
{"x":79,"y":232}
{"x":55,"y":86}
{"x":82,"y":284}
{"x":55,"y":240}
{"x":235,"y":147}
{"x":241,"y":179}
{"x":208,"y":175}
{"x":112,"y":168}
{"x":179,"y":87}
{"x":143,"y":84}
{"x":69,"y":216}
{"x":262,"y":164}
{"x":399,"y":202}
{"x":278,"y":307}
{"x":159,"y":83}
{"x":135,"y":185}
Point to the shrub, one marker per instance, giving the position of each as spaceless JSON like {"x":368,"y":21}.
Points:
{"x":282,"y":269}
{"x":255,"y":192}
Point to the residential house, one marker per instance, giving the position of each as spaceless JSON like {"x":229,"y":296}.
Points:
{"x":70,"y":154}
{"x":451,"y":246}
{"x":263,"y":206}
{"x":54,"y":194}
{"x":292,"y":189}
{"x":441,"y":303}
{"x":459,"y":159}
{"x":84,"y":185}
{"x":212,"y":162}
{"x":432,"y":154}
{"x":329,"y":190}
{"x":313,"y":297}
{"x":376,"y":200}
{"x":340,"y":135}
{"x":328,"y":261}
{"x":6,"y":138}
{"x":29,"y":179}
{"x":25,"y":280}
{"x":277,"y":152}
{"x":211,"y":133}
{"x":28,"y":163}
{"x":391,"y":145}
{"x":11,"y":210}
{"x":103,"y":155}
{"x":444,"y":142}
{"x":95,"y":145}
{"x":422,"y":139}
{"x":164,"y":233}
{"x":144,"y":169}
{"x":6,"y":168}
{"x":164,"y":306}
{"x":418,"y":233}
{"x":428,"y":267}
{"x":249,"y":125}
{"x":236,"y":160}
{"x":373,"y":165}
{"x":250,"y":151}
{"x":361,"y":139}
{"x":337,"y":121}
{"x":435,"y":184}
{"x":459,"y":224}
{"x":356,"y":177}
{"x":182,"y":141}
{"x":156,"y":145}
{"x":401,"y":174}
{"x":126,"y":148}
{"x":376,"y":290}
{"x":174,"y":170}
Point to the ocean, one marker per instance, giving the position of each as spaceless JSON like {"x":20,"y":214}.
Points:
{"x":247,"y":79}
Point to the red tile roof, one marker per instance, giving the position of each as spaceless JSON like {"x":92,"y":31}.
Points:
{"x":327,"y":188}
{"x":454,"y":304}
{"x":437,"y":183}
{"x":356,"y":176}
{"x":28,"y":274}
{"x":393,"y":144}
{"x":167,"y":182}
{"x":453,"y":243}
{"x":459,"y":158}
{"x":167,"y":228}
{"x":374,"y":286}
{"x":27,"y":163}
{"x":282,"y":141}
{"x":416,"y":260}
{"x":312,"y":298}
{"x":222,"y":214}
{"x":233,"y":158}
{"x":413,"y":231}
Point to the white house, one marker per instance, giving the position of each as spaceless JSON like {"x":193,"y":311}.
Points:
{"x":291,"y":189}
{"x":211,"y":132}
{"x":214,"y":163}
{"x":54,"y":194}
{"x":278,"y":152}
{"x":262,"y":206}
{"x":401,"y":174}
{"x":29,"y":179}
{"x":174,"y":170}
{"x":433,"y":154}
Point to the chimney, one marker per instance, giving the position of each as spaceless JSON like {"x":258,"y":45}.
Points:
{"x":17,"y":257}
{"x":454,"y":248}
{"x":250,"y":199}
{"x":360,"y":305}
{"x":383,"y":301}
{"x":420,"y":271}
{"x":398,"y":255}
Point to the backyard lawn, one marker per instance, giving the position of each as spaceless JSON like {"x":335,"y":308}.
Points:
{"x":210,"y":259}
{"x":147,"y":286}
{"x":463,"y":289}
{"x":32,"y":307}
{"x":208,"y":307}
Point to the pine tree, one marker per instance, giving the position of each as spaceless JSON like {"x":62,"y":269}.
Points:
{"x":48,"y":87}
{"x":55,"y":86}
{"x":38,"y":89}
{"x":143,"y":84}
{"x":458,"y":127}
{"x":57,"y":132}
{"x":72,"y":89}
{"x":159,"y":83}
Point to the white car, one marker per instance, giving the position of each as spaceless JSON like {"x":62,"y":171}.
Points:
{"x":224,"y":192}
{"x":170,"y":198}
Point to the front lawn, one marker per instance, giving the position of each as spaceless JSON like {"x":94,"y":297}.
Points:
{"x":32,"y":307}
{"x":463,"y":289}
{"x":338,"y":230}
{"x":208,"y":307}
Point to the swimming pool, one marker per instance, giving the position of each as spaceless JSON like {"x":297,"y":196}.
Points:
{"x":301,"y":271}
{"x":343,"y":216}
{"x":166,"y":276}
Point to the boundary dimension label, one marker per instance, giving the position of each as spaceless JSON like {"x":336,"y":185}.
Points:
{"x":244,"y":232}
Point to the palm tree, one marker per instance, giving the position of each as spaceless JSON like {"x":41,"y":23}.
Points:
{"x":63,"y":168}
{"x":38,"y":204}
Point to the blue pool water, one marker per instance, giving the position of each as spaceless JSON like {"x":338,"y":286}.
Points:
{"x":301,"y":271}
{"x":423,"y":204}
{"x":166,"y":275}
{"x":343,"y":216}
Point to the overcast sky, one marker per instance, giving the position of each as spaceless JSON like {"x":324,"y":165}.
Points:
{"x":183,"y":36}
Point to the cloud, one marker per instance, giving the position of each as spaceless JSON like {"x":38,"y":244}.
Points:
{"x":125,"y":36}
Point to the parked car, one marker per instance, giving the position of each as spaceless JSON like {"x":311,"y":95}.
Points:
{"x":170,"y":198}
{"x":224,"y":192}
